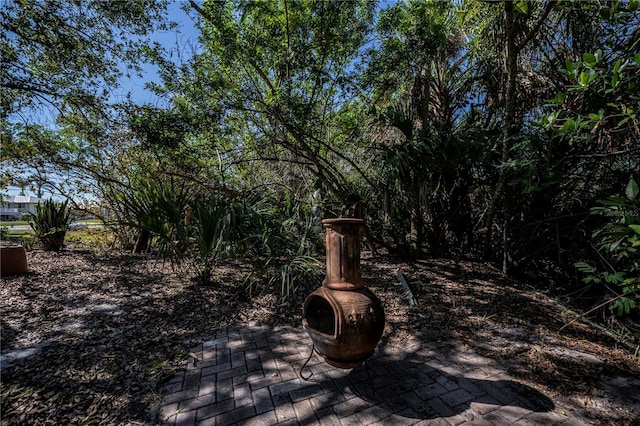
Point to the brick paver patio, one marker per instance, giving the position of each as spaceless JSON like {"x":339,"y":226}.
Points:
{"x":250,"y":375}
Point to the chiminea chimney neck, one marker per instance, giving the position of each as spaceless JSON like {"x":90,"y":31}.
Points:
{"x":343,"y":254}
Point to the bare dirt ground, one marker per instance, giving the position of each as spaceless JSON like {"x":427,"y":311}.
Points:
{"x":91,"y":338}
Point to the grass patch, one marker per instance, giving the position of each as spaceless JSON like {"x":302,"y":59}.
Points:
{"x":10,"y":223}
{"x":95,"y":238}
{"x":18,"y":232}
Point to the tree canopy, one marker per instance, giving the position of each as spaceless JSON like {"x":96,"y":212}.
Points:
{"x":68,"y":55}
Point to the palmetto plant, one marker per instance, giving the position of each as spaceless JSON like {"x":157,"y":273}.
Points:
{"x":427,"y":173}
{"x":211,"y":226}
{"x":155,"y":208}
{"x":220,"y":226}
{"x":287,"y":248}
{"x":50,"y":224}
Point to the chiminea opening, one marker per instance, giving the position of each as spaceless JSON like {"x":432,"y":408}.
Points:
{"x":320,"y":315}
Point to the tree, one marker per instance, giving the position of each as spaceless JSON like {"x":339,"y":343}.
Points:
{"x":61,"y":62}
{"x":421,"y":87}
{"x":281,"y":78}
{"x":593,"y":118}
{"x":583,"y":150}
{"x":68,"y":55}
{"x":501,"y":36}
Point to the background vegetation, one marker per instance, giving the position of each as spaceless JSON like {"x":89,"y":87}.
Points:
{"x":499,"y":131}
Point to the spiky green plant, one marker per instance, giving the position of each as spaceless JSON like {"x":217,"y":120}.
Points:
{"x":50,"y":224}
{"x":155,"y":209}
{"x":220,"y":228}
{"x":210,"y":225}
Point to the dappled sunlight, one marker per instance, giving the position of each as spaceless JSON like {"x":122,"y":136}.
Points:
{"x":182,"y":172}
{"x":114,"y":329}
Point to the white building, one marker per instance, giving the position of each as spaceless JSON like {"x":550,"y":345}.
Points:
{"x":14,"y":207}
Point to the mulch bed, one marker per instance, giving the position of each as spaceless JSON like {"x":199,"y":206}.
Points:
{"x":92,"y":337}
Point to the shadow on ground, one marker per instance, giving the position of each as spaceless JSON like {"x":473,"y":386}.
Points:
{"x":412,"y":388}
{"x":90,"y":337}
{"x":254,"y":373}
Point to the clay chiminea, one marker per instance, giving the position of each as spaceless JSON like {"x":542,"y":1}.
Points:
{"x":344,"y":319}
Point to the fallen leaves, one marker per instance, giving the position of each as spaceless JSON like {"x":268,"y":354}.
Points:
{"x":111,"y":328}
{"x":115,"y":326}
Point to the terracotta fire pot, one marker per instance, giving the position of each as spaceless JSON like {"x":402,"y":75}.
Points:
{"x":13,"y":260}
{"x":344,"y":319}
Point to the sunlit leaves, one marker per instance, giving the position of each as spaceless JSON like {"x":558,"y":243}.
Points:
{"x":66,"y":55}
{"x":521,"y":6}
{"x":280,"y":73}
{"x":590,"y":60}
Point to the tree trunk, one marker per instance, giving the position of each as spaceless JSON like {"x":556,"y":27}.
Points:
{"x":415,"y":235}
{"x":511,"y":72}
{"x":142,"y":242}
{"x":420,"y":113}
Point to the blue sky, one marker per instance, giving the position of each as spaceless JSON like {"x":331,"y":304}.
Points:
{"x":174,"y":40}
{"x":178,"y":38}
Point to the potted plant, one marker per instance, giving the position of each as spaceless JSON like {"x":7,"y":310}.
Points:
{"x":50,"y":224}
{"x":13,"y":259}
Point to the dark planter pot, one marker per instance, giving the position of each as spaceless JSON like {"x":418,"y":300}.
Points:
{"x":344,"y":319}
{"x":53,"y":242}
{"x":13,"y":261}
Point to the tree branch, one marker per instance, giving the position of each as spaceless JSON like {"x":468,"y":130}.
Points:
{"x":606,"y":154}
{"x":536,"y":27}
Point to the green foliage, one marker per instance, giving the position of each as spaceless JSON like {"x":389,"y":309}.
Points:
{"x":618,"y":242}
{"x":422,"y":151}
{"x":62,"y":63}
{"x":210,"y":223}
{"x":287,"y":244}
{"x":67,"y":54}
{"x":296,"y":274}
{"x":412,"y":34}
{"x":220,"y":227}
{"x":98,"y":239}
{"x":154,"y":207}
{"x":50,"y":224}
{"x":594,"y":122}
{"x":279,"y":239}
{"x":283,"y":74}
{"x":278,"y":102}
{"x":159,"y":128}
{"x":601,"y":97}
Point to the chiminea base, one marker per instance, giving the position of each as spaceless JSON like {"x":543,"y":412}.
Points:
{"x":345,"y":365}
{"x":345,"y":326}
